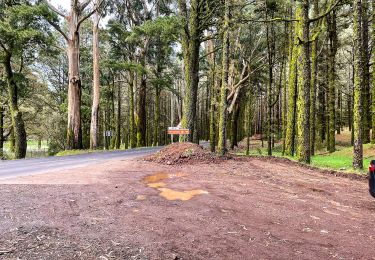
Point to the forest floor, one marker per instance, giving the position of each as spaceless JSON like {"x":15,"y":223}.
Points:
{"x":237,"y":208}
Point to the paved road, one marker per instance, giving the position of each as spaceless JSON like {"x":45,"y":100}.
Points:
{"x":15,"y":168}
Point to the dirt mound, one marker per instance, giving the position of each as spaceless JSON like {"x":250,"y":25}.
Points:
{"x":179,"y":153}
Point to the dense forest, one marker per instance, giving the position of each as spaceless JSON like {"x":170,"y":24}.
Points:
{"x":115,"y":74}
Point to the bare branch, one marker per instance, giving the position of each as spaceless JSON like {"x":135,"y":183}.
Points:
{"x":96,"y":8}
{"x":84,"y":5}
{"x":55,"y":10}
{"x":325,"y":13}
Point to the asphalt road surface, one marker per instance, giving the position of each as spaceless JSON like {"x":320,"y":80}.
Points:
{"x":25,"y":167}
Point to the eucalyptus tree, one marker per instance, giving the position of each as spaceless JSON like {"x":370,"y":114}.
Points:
{"x":77,"y":14}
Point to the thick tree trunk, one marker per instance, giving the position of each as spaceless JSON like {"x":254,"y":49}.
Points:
{"x":357,"y":111}
{"x":94,"y":127}
{"x":17,"y":121}
{"x":304,"y":82}
{"x":74,"y":133}
{"x":142,"y":116}
{"x":190,"y":45}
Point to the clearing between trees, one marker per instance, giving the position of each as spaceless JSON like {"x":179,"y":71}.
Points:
{"x":232,"y":208}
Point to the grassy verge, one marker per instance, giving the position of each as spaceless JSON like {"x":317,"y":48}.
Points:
{"x":340,"y":160}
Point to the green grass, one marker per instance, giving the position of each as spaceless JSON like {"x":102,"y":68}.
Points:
{"x":342,"y":160}
{"x":31,"y":145}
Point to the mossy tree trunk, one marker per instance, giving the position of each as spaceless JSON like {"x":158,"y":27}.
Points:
{"x":19,"y":131}
{"x":314,"y":75}
{"x":332,"y":50}
{"x":304,"y":81}
{"x":212,"y":93}
{"x":292,"y":92}
{"x":191,"y":40}
{"x":224,"y":84}
{"x":357,"y":111}
{"x":366,"y":98}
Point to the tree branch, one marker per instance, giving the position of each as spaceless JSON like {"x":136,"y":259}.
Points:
{"x":55,"y":10}
{"x":96,"y":8}
{"x":57,"y":27}
{"x":326,"y":12}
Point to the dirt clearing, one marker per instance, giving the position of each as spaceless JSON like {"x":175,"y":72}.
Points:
{"x":233,"y":209}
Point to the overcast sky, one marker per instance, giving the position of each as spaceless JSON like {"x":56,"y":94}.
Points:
{"x":63,"y":3}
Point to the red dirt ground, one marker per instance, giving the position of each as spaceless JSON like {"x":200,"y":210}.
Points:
{"x":245,"y":209}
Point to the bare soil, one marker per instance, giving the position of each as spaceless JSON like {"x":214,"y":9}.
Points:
{"x":231,"y":209}
{"x":182,"y":153}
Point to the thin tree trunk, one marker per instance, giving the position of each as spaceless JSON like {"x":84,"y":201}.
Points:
{"x":133,"y":136}
{"x":248,"y":130}
{"x":332,"y":50}
{"x":224,"y":84}
{"x":292,"y":92}
{"x":314,"y":74}
{"x":157,"y":116}
{"x":1,"y":129}
{"x":96,"y":83}
{"x":118,"y":121}
{"x":357,"y":111}
{"x":366,"y":106}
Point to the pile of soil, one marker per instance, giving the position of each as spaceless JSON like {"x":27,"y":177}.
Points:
{"x":180,"y":153}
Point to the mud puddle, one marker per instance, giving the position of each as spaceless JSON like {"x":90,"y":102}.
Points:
{"x":156,"y":181}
